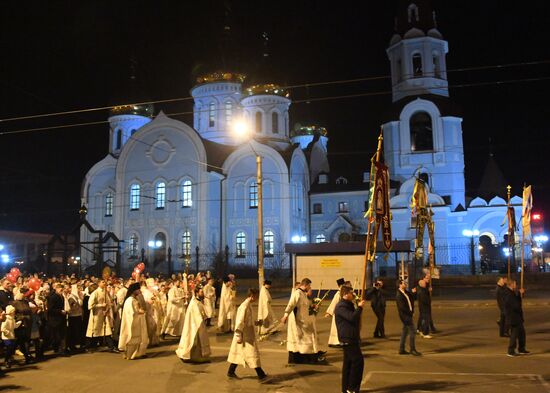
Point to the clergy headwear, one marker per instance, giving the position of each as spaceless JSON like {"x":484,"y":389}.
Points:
{"x":267,"y":282}
{"x":226,"y":279}
{"x":131,"y":289}
{"x":340,"y":282}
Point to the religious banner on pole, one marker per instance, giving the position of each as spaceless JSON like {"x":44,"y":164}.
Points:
{"x":423,"y":213}
{"x":527,"y":206}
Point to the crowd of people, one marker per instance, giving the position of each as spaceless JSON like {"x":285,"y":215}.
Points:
{"x":69,"y":315}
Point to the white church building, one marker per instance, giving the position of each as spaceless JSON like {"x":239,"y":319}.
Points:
{"x":191,"y":188}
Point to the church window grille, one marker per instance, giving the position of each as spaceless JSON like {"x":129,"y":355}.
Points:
{"x":135,"y":193}
{"x":269,"y":243}
{"x":275,"y":123}
{"x":228,"y":112}
{"x":320,"y":238}
{"x":160,"y":195}
{"x":417,"y":65}
{"x":342,"y":207}
{"x":211,"y":114}
{"x":421,"y":132}
{"x":186,"y":243}
{"x":109,"y":204}
{"x":134,"y":246}
{"x":317,"y":208}
{"x":118,"y":139}
{"x":187,"y":194}
{"x":258,"y":121}
{"x":253,"y":196}
{"x":241,"y":245}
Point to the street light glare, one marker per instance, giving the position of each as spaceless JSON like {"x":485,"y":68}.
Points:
{"x":240,"y":128}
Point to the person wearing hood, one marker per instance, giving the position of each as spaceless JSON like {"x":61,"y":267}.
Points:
{"x":133,"y":339}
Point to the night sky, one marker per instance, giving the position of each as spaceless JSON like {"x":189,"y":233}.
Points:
{"x":66,"y":55}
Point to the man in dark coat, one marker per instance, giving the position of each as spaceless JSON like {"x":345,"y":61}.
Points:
{"x":514,"y":316}
{"x":378,"y":305}
{"x":57,"y":319}
{"x":23,"y":313}
{"x":405,"y":306}
{"x":424,"y":307}
{"x":6,"y":295}
{"x":348,"y":320}
{"x":501,"y":293}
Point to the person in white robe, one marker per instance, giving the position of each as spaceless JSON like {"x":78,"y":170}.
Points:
{"x":333,"y":336}
{"x":133,"y":338}
{"x":266,"y":316}
{"x":302,"y":340}
{"x":100,"y":321}
{"x":151,"y":311}
{"x":244,"y":349}
{"x":194,"y":346}
{"x":227,"y":311}
{"x":209,"y":300}
{"x":175,"y":311}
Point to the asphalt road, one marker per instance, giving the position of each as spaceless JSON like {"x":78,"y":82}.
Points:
{"x":466,"y":356}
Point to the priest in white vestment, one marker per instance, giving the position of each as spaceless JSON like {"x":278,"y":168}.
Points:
{"x":194,"y":344}
{"x":227,"y":311}
{"x":175,"y":310}
{"x":100,"y":321}
{"x":266,"y":316}
{"x":209,"y":300}
{"x":333,"y":336}
{"x":151,"y":311}
{"x":133,"y":338}
{"x":302,"y":340}
{"x":244,"y":349}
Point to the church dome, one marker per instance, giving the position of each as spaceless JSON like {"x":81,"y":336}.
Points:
{"x":220,"y":76}
{"x":266,"y":89}
{"x":395,"y":39}
{"x":414,"y":33}
{"x":145,"y":110}
{"x":435,"y":33}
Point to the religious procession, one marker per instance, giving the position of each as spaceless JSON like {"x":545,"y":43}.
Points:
{"x":70,"y":315}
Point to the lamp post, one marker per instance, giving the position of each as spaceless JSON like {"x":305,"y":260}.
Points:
{"x":471,"y":234}
{"x":240,"y":127}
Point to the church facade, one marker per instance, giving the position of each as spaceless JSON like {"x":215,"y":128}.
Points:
{"x":167,"y":185}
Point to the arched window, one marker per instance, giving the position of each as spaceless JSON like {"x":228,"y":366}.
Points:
{"x":211,"y":114}
{"x":421,"y":132}
{"x":275,"y":123}
{"x":187,"y":194}
{"x":159,"y":248}
{"x":320,"y":238}
{"x":133,"y":248}
{"x":258,"y":121}
{"x":240,"y":245}
{"x":118,"y":139}
{"x":436,"y":65}
{"x":160,"y":195}
{"x":186,"y":243}
{"x":417,"y":65}
{"x":109,"y":204}
{"x":412,"y":12}
{"x":253,"y":195}
{"x":269,"y":243}
{"x":135,"y":191}
{"x":228,"y":112}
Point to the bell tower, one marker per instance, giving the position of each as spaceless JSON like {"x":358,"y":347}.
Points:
{"x":417,"y":52}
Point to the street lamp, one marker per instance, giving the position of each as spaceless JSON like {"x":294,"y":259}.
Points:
{"x":242,"y":130}
{"x":471,"y":234}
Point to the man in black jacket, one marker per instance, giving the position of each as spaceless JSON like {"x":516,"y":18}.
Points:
{"x":502,"y":292}
{"x":405,"y":306}
{"x":378,"y":305}
{"x":57,"y":318}
{"x":6,"y":295}
{"x":514,"y":316}
{"x":348,"y":319}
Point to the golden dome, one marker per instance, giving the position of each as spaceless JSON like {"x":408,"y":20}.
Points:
{"x":221,"y":76}
{"x":267,"y":88}
{"x":130,"y":109}
{"x":310,"y":130}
